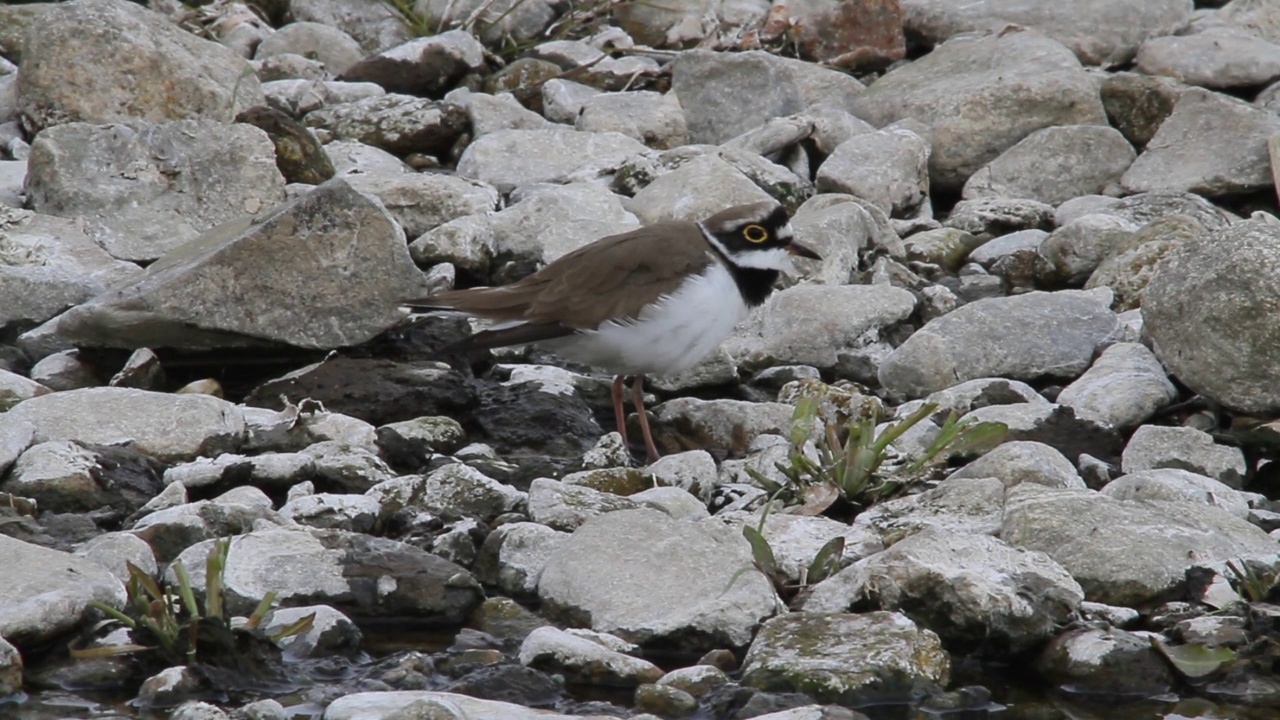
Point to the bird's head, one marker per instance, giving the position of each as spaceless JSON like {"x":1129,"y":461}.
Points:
{"x":756,"y":236}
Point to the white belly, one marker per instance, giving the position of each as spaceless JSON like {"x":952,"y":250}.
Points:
{"x":669,"y":336}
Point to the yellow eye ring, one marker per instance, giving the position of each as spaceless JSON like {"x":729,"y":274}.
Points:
{"x":755,"y":234}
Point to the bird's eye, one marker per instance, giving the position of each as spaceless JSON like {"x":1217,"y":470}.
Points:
{"x":755,"y":233}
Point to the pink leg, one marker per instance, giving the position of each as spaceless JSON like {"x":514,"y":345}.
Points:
{"x":620,"y":412}
{"x":637,"y":399}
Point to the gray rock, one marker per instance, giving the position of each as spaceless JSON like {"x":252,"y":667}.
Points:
{"x":300,"y":97}
{"x":1055,"y":164}
{"x":1184,"y":448}
{"x":17,"y":435}
{"x":649,"y":578}
{"x":981,"y":95}
{"x":424,"y":66}
{"x":346,"y":467}
{"x":171,"y":529}
{"x":652,"y":118}
{"x":796,"y":540}
{"x":833,"y":125}
{"x":331,"y":633}
{"x":945,"y":247}
{"x":844,"y":658}
{"x":134,"y":65}
{"x":351,"y":157}
{"x":997,"y":216}
{"x":14,"y":389}
{"x":1219,"y":57}
{"x":1200,"y":310}
{"x":546,"y":222}
{"x":287,"y":66}
{"x":64,"y":476}
{"x":413,"y":442}
{"x":375,"y":26}
{"x":1014,"y":463}
{"x":422,"y":201}
{"x":1139,"y":104}
{"x":1128,"y":266}
{"x":679,"y":504}
{"x":353,"y":573}
{"x":297,"y":261}
{"x":584,"y":660}
{"x":562,"y":506}
{"x":329,"y":45}
{"x":729,"y":425}
{"x":1259,"y":17}
{"x":1211,"y":144}
{"x":10,"y":669}
{"x":396,"y":123}
{"x":1091,"y":535}
{"x":973,"y":590}
{"x":815,"y":324}
{"x":1148,"y":207}
{"x":146,"y":189}
{"x":1078,"y":207}
{"x":514,"y":554}
{"x":48,"y":263}
{"x":988,"y":338}
{"x":1172,"y":485}
{"x":971,"y":395}
{"x":695,"y":190}
{"x":431,"y":705}
{"x":499,"y":22}
{"x":839,"y":227}
{"x":726,"y":94}
{"x":46,"y":592}
{"x":1125,"y":386}
{"x":334,"y":511}
{"x":1052,"y":424}
{"x":1101,"y":32}
{"x":509,"y":159}
{"x":164,"y":426}
{"x":453,"y":488}
{"x":693,"y":471}
{"x":1106,"y":661}
{"x":971,"y":506}
{"x":491,"y":113}
{"x":994,"y":249}
{"x":115,"y":549}
{"x":890,"y":168}
{"x":563,"y":99}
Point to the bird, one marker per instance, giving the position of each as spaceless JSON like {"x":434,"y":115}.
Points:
{"x":651,"y":301}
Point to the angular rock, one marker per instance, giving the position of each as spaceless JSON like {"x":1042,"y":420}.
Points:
{"x":565,"y":507}
{"x":1200,"y":310}
{"x":432,"y":705}
{"x":514,"y":554}
{"x":65,"y":476}
{"x":353,"y":573}
{"x":843,"y":658}
{"x":652,"y":118}
{"x":1052,"y":424}
{"x":299,"y":97}
{"x":853,"y":35}
{"x":329,"y":45}
{"x":453,"y":488}
{"x":164,"y":426}
{"x":1219,"y":58}
{"x":1211,"y":144}
{"x":1171,"y":485}
{"x":889,"y":168}
{"x":997,"y":216}
{"x":1023,"y":461}
{"x":584,"y":660}
{"x":1125,"y":386}
{"x":497,"y":22}
{"x":422,"y":201}
{"x":1106,"y":661}
{"x":396,"y":123}
{"x":981,"y":95}
{"x":46,"y":592}
{"x":172,"y":528}
{"x":1184,"y":448}
{"x":1091,"y":535}
{"x":651,"y":579}
{"x":1128,"y":266}
{"x":971,"y":506}
{"x":1055,"y":164}
{"x":48,"y":264}
{"x":722,"y":425}
{"x":726,"y":94}
{"x":694,"y":191}
{"x":425,"y":66}
{"x":816,"y":324}
{"x":508,"y":159}
{"x":838,"y":227}
{"x":326,"y":270}
{"x":375,"y":26}
{"x":144,"y":190}
{"x":975,"y":591}
{"x":104,"y":61}
{"x":334,"y":511}
{"x":988,"y":338}
{"x":1100,"y":32}
{"x":1138,"y":104}
{"x":114,"y":550}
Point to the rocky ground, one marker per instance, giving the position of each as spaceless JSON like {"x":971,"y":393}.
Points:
{"x":1054,"y":221}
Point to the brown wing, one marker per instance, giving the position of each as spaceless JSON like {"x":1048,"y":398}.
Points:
{"x":614,"y":277}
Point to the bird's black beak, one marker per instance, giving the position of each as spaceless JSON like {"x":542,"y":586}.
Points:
{"x":796,"y":248}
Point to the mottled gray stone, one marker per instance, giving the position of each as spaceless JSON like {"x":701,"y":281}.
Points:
{"x":1219,"y":58}
{"x":1055,"y":164}
{"x":726,"y":94}
{"x":1022,"y":461}
{"x":1173,"y":485}
{"x":422,"y":201}
{"x":1184,"y":448}
{"x":1125,"y":386}
{"x":329,"y":45}
{"x":46,"y":592}
{"x":889,"y":168}
{"x":509,"y":159}
{"x":652,"y":118}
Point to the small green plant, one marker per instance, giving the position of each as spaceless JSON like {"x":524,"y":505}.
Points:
{"x":824,"y":564}
{"x":174,"y":621}
{"x":852,"y":460}
{"x":1254,"y":585}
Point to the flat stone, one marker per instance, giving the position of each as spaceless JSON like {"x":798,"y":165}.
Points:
{"x":726,"y":94}
{"x":508,"y":159}
{"x":1184,"y":448}
{"x":1022,"y":461}
{"x":889,"y":168}
{"x":1055,"y":164}
{"x":431,"y":704}
{"x":1217,"y":58}
{"x":46,"y":592}
{"x":1125,"y":386}
{"x":297,"y":261}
